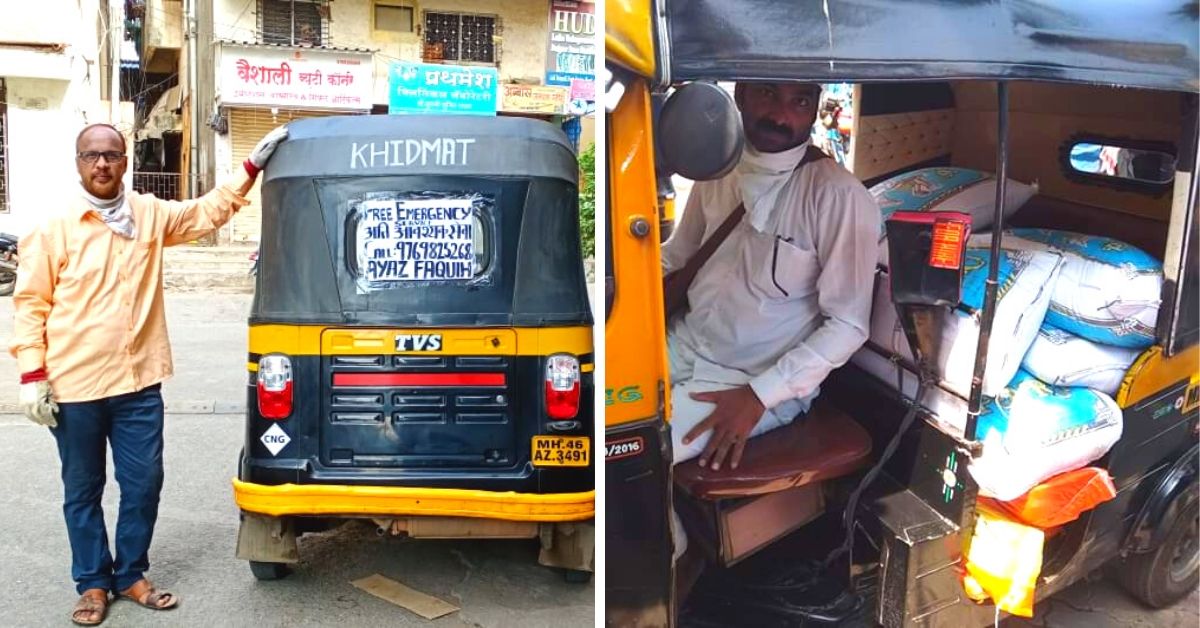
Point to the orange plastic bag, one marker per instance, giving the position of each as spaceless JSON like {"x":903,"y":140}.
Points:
{"x":1060,"y":499}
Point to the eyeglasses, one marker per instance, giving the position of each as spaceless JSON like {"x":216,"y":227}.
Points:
{"x":92,"y":156}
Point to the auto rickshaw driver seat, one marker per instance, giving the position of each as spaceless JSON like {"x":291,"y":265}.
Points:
{"x":775,"y":489}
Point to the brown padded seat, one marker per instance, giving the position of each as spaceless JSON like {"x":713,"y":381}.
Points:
{"x":824,"y":444}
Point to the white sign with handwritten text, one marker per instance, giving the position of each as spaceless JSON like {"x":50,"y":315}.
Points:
{"x":416,"y":240}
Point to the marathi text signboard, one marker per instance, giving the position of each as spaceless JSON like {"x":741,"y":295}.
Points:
{"x":544,"y":99}
{"x":311,"y":79}
{"x":572,"y":52}
{"x":416,"y":240}
{"x":435,"y":88}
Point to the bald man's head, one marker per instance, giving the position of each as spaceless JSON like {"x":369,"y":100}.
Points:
{"x":100,"y":160}
{"x":99,"y":127}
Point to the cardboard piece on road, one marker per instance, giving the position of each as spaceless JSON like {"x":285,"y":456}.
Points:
{"x":426,"y":606}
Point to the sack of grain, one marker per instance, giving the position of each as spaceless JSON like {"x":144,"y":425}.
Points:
{"x":1032,"y":431}
{"x":946,"y":189}
{"x":1061,"y":358}
{"x":1108,"y":291}
{"x":1025,"y":280}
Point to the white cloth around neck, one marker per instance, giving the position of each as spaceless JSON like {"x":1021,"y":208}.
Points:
{"x":762,"y":176}
{"x":115,"y":212}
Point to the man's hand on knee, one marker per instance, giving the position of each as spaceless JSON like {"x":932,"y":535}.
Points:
{"x":738,"y":411}
{"x":37,"y":400}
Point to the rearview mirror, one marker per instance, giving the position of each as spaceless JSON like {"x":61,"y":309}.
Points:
{"x":699,"y":134}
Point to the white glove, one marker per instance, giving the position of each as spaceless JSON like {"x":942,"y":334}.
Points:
{"x":266,"y":146}
{"x":37,"y":402}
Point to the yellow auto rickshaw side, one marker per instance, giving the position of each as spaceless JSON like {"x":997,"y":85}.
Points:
{"x":635,"y":354}
{"x":637,"y":437}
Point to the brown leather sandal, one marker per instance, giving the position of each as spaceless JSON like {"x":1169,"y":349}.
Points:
{"x":93,"y":603}
{"x":146,"y":594}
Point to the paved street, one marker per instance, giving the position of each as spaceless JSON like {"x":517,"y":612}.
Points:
{"x":496,"y":583}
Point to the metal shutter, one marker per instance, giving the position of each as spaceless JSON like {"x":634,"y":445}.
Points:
{"x":246,"y":127}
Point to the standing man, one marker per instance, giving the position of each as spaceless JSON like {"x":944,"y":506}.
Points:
{"x":786,"y":296}
{"x":90,"y":338}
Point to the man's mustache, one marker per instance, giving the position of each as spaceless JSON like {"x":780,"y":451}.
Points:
{"x":766,"y":126}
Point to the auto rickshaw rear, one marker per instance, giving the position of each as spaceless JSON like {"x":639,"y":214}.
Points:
{"x":420,"y":348}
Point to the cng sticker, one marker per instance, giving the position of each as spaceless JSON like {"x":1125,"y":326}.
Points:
{"x":275,"y":439}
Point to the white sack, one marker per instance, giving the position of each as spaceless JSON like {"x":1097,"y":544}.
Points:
{"x":1061,"y":358}
{"x":1025,"y":278}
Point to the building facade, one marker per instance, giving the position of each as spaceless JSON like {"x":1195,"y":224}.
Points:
{"x":53,"y":78}
{"x":275,"y":61}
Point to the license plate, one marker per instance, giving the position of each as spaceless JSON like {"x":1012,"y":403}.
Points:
{"x":561,"y":451}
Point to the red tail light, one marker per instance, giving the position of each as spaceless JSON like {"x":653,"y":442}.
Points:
{"x":562,"y":386}
{"x":275,"y":387}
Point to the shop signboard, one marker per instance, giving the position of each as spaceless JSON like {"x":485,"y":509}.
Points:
{"x":583,"y":89}
{"x":543,"y":99}
{"x":442,"y":89}
{"x":299,"y":78}
{"x":572,"y":45}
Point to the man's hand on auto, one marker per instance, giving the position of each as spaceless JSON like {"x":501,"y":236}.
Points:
{"x":37,"y":402}
{"x":738,"y":411}
{"x":263,"y":151}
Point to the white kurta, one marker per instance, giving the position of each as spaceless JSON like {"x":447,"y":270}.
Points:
{"x":784,"y":300}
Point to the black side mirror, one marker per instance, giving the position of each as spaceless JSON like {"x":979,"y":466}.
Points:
{"x":699,"y":134}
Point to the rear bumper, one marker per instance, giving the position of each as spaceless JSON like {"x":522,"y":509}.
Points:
{"x":333,"y":499}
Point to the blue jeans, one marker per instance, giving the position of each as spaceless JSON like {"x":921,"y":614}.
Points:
{"x":133,"y":424}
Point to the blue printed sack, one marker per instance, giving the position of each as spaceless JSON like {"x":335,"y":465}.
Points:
{"x":1032,"y":431}
{"x":1025,"y":281}
{"x":1108,"y":291}
{"x":947,"y":189}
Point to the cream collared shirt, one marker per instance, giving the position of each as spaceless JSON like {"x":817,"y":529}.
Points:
{"x":781,"y":305}
{"x":88,"y":304}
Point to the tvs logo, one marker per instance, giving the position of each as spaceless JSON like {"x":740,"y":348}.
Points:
{"x":418,"y":342}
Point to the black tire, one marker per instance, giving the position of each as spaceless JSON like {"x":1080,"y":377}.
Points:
{"x":1170,"y":573}
{"x":576,"y":576}
{"x":269,"y":571}
{"x":8,"y":282}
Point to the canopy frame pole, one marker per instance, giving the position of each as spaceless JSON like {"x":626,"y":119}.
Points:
{"x":992,"y":285}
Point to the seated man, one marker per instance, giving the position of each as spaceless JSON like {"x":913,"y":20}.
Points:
{"x":785,"y":298}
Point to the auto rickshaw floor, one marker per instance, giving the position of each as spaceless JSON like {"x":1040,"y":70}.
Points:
{"x":736,"y":596}
{"x":781,"y":585}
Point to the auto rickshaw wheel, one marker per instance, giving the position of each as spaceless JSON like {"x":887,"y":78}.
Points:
{"x":577,"y":576}
{"x":269,"y":571}
{"x":1168,"y":574}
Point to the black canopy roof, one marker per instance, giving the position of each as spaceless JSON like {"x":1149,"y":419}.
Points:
{"x":1142,"y":43}
{"x":423,"y":145}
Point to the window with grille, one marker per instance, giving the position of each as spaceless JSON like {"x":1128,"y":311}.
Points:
{"x":460,"y":37}
{"x":293,"y":22}
{"x":3,"y":149}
